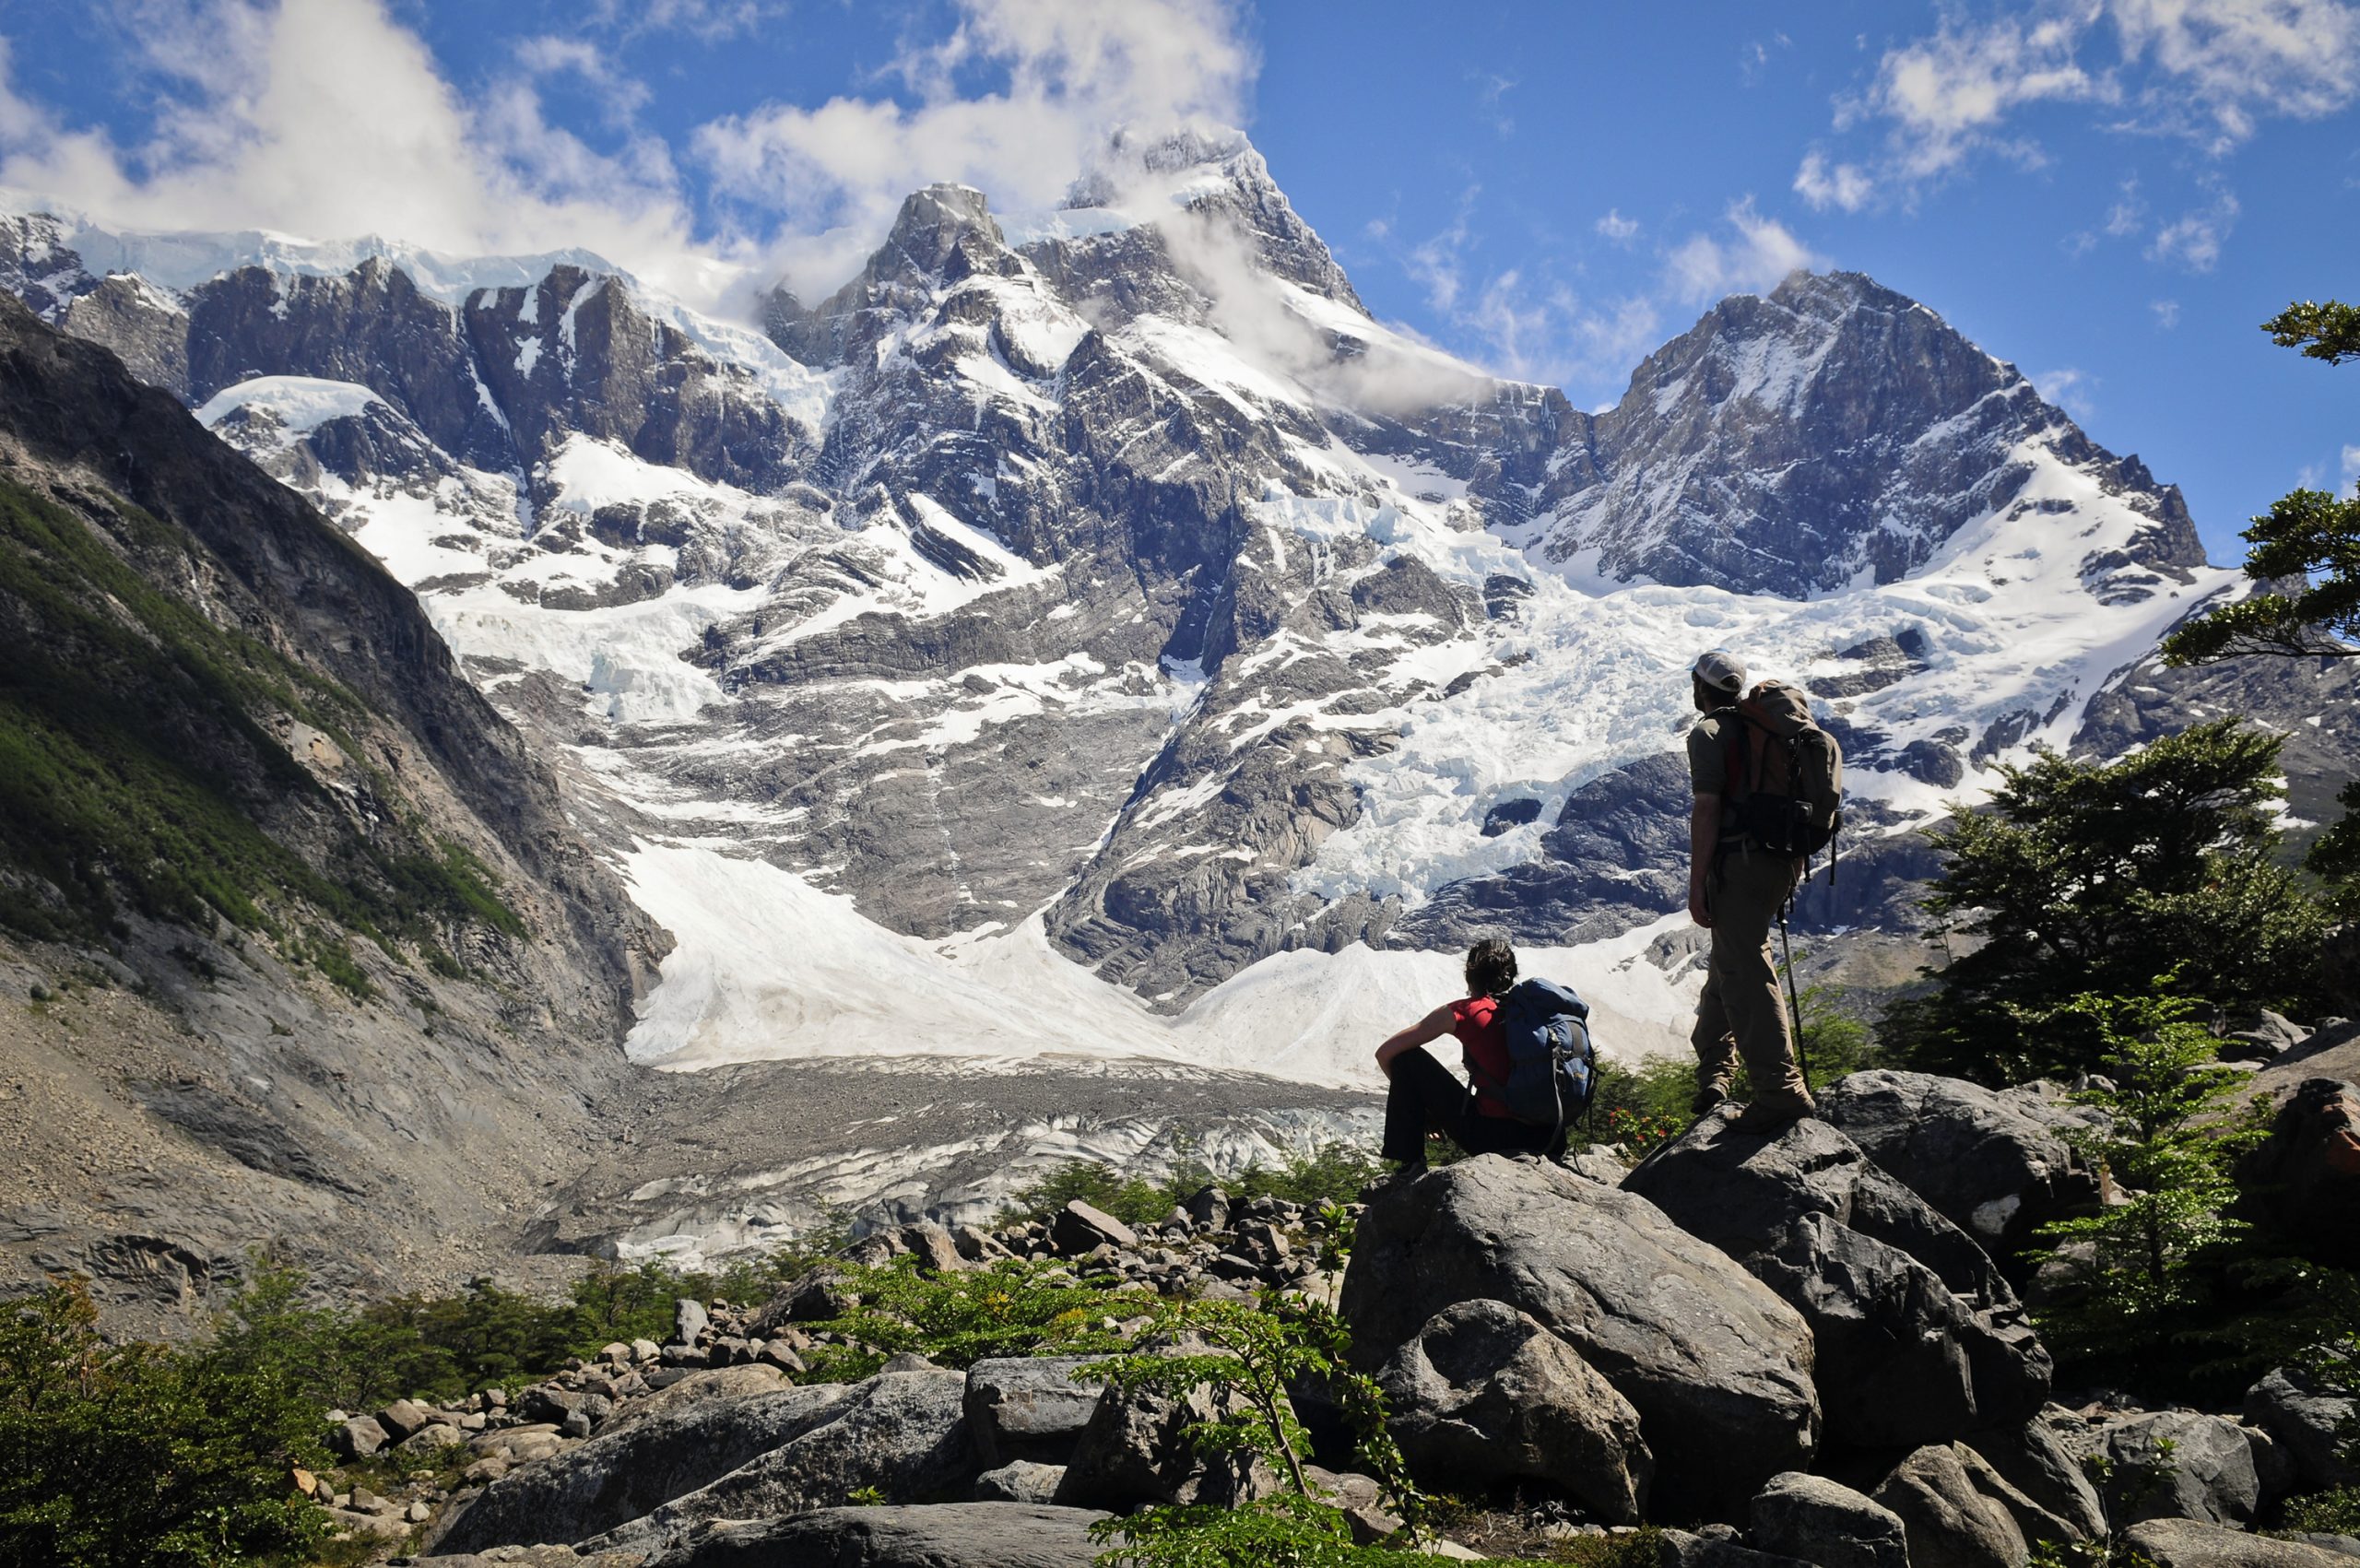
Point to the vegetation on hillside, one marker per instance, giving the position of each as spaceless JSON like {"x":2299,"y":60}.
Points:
{"x":138,"y":770}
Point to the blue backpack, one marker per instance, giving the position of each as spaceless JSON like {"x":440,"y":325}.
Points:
{"x":1552,"y":1065}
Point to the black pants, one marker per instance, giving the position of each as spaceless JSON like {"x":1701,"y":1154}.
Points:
{"x":1427,"y":1097}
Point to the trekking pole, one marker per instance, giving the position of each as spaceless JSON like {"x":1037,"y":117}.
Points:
{"x":1794,"y":1002}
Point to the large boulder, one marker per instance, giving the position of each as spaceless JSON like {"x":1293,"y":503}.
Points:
{"x":1717,"y":1367}
{"x":1684,"y":1549}
{"x":2303,"y":1181}
{"x":1484,"y":1394}
{"x":1817,"y":1520}
{"x":2177,"y":1465}
{"x":1994,"y":1162}
{"x":943,"y":1535}
{"x":2191,"y":1543}
{"x":1918,"y":1338}
{"x":2311,"y":1426}
{"x":620,"y":1475}
{"x":1028,"y":1408}
{"x":1135,"y":1449}
{"x":1953,"y":1510}
{"x":901,"y":1433}
{"x":2039,"y":1463}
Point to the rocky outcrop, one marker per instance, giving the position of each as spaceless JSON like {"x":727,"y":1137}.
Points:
{"x":1955,"y":1511}
{"x":1917,"y":1338}
{"x":308,"y":769}
{"x":1993,"y":1162}
{"x":2311,"y":1425}
{"x":901,"y":1433}
{"x":1718,"y":1368}
{"x":971,"y":1535}
{"x":1484,"y":1396}
{"x":2177,"y":1465}
{"x":2303,"y":1181}
{"x":1817,"y":1520}
{"x":2191,"y":1543}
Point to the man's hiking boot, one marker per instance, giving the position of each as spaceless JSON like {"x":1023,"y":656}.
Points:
{"x":1709,"y":1098}
{"x":1775,"y":1112}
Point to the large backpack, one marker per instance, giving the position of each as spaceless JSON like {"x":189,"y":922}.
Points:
{"x":1552,"y":1067}
{"x":1785,"y":775}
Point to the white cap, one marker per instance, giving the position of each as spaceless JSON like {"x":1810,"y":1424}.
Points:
{"x":1718,"y":669}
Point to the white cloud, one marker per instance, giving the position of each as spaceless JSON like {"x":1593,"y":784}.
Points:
{"x":2232,"y":60}
{"x":2070,"y":390}
{"x":2194,"y":239}
{"x":1764,"y":250}
{"x":2351,"y":470}
{"x":835,"y":174}
{"x":1948,"y":95}
{"x":2209,"y":69}
{"x":325,"y":118}
{"x":329,"y":118}
{"x":1616,"y":227}
{"x":1845,"y":185}
{"x":2167,"y":313}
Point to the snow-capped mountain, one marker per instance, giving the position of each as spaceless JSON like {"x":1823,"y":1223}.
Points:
{"x":1043,"y":639}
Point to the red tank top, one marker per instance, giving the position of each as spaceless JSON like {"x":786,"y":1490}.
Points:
{"x":1484,"y":1040}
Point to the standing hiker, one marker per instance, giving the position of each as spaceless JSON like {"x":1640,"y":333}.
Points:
{"x":1736,"y":888}
{"x":1425,"y":1098}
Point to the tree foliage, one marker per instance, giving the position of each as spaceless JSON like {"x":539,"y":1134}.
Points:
{"x":138,"y":1455}
{"x":2089,"y":878}
{"x":1249,"y":1354}
{"x":2137,"y":1267}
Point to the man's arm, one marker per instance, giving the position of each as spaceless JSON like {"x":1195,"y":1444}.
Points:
{"x":1704,"y":837}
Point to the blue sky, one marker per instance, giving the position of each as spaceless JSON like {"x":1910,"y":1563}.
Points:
{"x":2109,"y":193}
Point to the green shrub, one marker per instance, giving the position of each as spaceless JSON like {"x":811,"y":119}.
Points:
{"x":1250,"y":1354}
{"x":2146,"y":1267}
{"x":2334,"y":1512}
{"x":134,"y":1455}
{"x":1335,"y":1173}
{"x":1015,"y":1307}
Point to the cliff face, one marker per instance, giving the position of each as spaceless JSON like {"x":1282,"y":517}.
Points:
{"x":327,"y":912}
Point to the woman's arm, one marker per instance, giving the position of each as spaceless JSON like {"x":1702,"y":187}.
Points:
{"x":1433,"y":1026}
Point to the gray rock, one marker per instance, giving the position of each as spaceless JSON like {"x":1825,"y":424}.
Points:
{"x":2034,"y":1460}
{"x":1078,"y":1228}
{"x":1028,"y":1408}
{"x":1717,"y":1367}
{"x":1599,"y":1163}
{"x":1817,"y":1520}
{"x":1918,"y":1339}
{"x":403,"y":1417}
{"x":1484,"y":1394}
{"x":2303,"y":1181}
{"x":689,"y":1321}
{"x":1705,"y":1548}
{"x":900,"y":1432}
{"x":1948,"y":1500}
{"x":2191,"y":1543}
{"x":1993,"y":1162}
{"x":2206,"y":1476}
{"x":1135,"y":1449}
{"x":620,"y":1475}
{"x":2309,"y":1425}
{"x":1021,"y":1481}
{"x":432,"y":1439}
{"x":358,"y":1438}
{"x":947,"y":1535}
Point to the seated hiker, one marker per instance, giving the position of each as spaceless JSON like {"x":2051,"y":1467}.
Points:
{"x":1426,"y":1099}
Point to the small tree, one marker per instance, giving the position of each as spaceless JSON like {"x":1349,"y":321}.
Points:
{"x":2304,"y":559}
{"x":2139,"y":1263}
{"x":1250,"y":1353}
{"x":2086,"y":878}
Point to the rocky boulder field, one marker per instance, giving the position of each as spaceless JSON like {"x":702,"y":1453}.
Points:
{"x":1755,"y":1351}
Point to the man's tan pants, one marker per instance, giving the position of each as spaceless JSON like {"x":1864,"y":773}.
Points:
{"x":1741,"y":1012}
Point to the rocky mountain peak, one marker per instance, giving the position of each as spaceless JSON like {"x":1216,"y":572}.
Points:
{"x":1829,"y":432}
